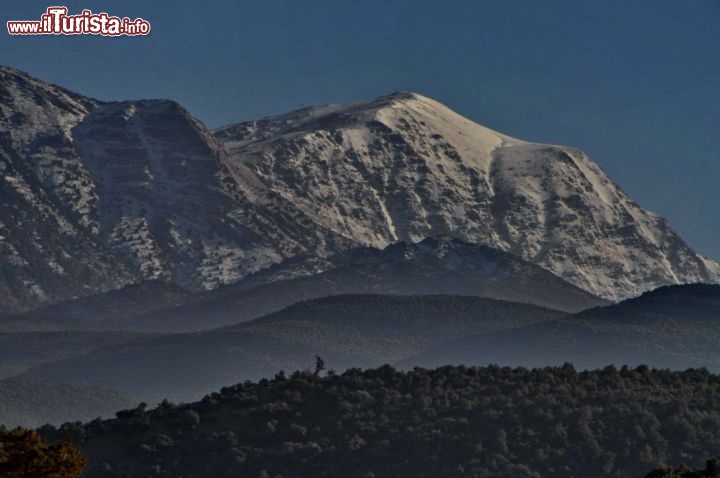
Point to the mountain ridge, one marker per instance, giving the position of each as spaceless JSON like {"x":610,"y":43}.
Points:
{"x":674,"y":327}
{"x":115,"y":193}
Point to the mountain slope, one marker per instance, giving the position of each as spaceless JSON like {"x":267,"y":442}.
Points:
{"x":436,"y":265}
{"x":347,"y":331}
{"x":106,"y":311}
{"x":46,"y":253}
{"x":99,"y":195}
{"x":404,"y":167}
{"x":675,"y":327}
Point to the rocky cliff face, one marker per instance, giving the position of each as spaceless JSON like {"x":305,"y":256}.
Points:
{"x":99,"y":195}
{"x":47,"y":251}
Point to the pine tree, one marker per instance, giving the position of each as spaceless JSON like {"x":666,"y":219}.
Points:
{"x":319,"y":366}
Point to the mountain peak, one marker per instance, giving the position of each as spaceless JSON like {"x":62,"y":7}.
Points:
{"x":325,"y":116}
{"x":401,"y":97}
{"x":404,"y":167}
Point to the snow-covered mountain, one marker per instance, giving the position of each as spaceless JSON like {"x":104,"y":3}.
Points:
{"x":404,"y":167}
{"x":47,"y":251}
{"x":98,"y":195}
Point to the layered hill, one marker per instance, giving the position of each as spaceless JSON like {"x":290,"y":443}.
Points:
{"x":112,"y":310}
{"x":675,"y":327}
{"x":434,"y":266}
{"x":100,"y":195}
{"x":21,"y":351}
{"x":346,"y":331}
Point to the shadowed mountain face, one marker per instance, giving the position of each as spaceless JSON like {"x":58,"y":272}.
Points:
{"x":101,"y":195}
{"x":47,"y":196}
{"x":347,"y":331}
{"x":434,"y":266}
{"x":675,"y":327}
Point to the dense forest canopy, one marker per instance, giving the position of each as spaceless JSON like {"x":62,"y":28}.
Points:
{"x":450,"y":422}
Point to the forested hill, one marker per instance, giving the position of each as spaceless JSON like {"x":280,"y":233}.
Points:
{"x":449,"y":422}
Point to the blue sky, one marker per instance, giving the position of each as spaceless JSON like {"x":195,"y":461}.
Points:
{"x":636,"y":84}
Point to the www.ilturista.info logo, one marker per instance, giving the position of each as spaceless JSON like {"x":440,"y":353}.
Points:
{"x":57,"y":22}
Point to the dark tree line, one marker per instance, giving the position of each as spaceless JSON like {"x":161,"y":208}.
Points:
{"x":450,"y":422}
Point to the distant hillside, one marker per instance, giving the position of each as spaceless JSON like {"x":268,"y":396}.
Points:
{"x":451,"y":422}
{"x":347,"y":331}
{"x":691,"y":301}
{"x":94,"y":311}
{"x":675,"y":327}
{"x":433,"y":266}
{"x":32,"y":404}
{"x":107,"y":311}
{"x":20,"y":351}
